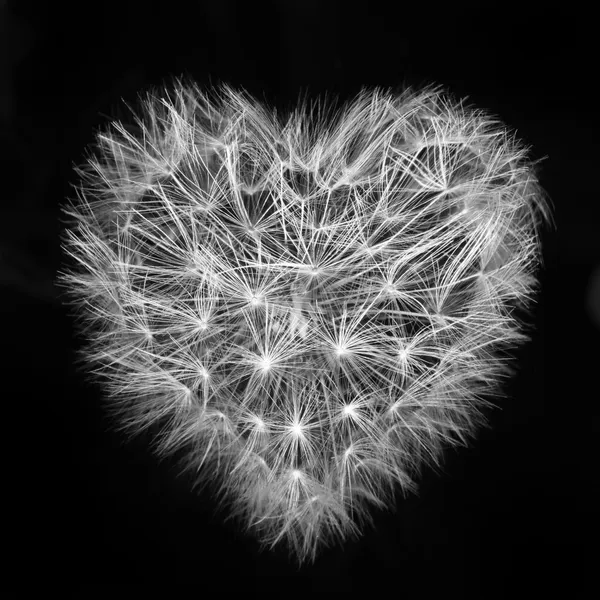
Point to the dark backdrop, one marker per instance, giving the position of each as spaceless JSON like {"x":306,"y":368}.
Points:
{"x":513,"y":512}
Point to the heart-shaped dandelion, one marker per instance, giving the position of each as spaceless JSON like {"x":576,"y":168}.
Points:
{"x":309,"y":308}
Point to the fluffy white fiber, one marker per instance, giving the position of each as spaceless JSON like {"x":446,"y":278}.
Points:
{"x":311,"y":307}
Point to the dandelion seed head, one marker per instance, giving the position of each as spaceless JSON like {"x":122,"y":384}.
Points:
{"x":286,"y":294}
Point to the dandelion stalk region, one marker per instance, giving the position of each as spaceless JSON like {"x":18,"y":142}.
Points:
{"x":310,"y":307}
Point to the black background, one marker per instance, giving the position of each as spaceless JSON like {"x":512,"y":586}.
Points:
{"x":92,"y":515}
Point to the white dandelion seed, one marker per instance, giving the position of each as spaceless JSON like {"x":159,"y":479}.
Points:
{"x":312,"y":309}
